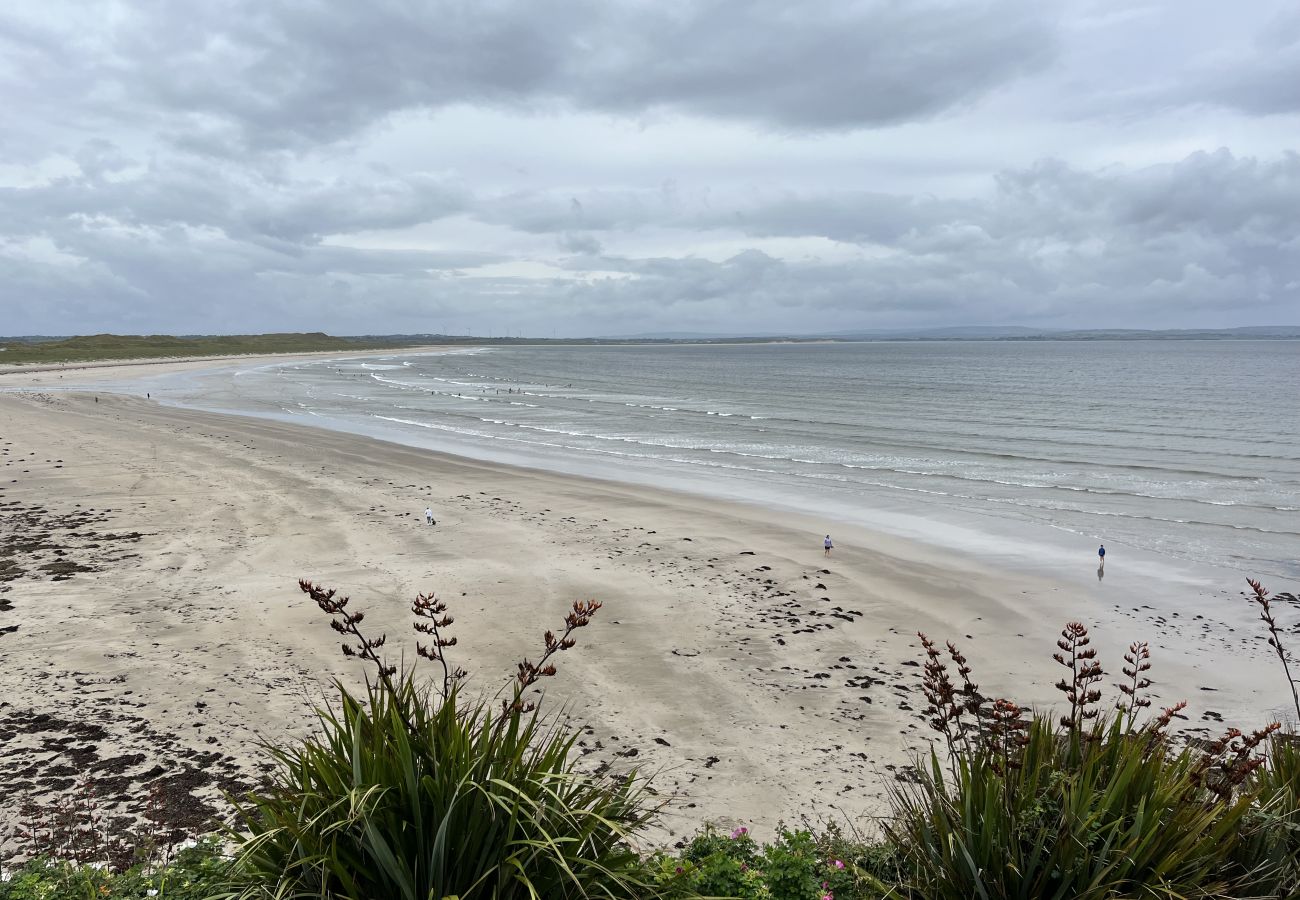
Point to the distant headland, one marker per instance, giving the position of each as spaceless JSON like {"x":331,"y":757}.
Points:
{"x":25,"y":349}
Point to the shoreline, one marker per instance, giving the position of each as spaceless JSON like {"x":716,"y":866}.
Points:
{"x":803,"y":694}
{"x":1036,"y":548}
{"x":183,"y":363}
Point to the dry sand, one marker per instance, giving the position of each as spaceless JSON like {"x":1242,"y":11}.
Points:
{"x":148,"y":566}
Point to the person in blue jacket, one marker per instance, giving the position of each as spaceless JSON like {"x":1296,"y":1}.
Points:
{"x":1101,"y":554}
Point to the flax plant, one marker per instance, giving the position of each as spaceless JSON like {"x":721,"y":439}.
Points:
{"x":1275,"y":825}
{"x":412,"y":792}
{"x":1260,"y":596}
{"x":1137,"y":662}
{"x":1085,"y":805}
{"x":1274,"y":829}
{"x":1111,"y":816}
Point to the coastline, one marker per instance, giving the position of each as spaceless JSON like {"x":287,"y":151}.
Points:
{"x":170,"y":364}
{"x":1003,"y":535}
{"x":760,"y":679}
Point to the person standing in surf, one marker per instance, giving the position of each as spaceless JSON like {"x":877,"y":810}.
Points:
{"x":1101,"y":556}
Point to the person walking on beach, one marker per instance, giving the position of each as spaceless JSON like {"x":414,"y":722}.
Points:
{"x":827,"y":546}
{"x":428,"y":515}
{"x":1101,"y":557}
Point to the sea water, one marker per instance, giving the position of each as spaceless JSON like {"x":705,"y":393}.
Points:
{"x":1185,"y":451}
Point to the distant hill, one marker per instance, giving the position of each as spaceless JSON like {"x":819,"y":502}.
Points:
{"x":684,"y":336}
{"x":986,"y":333}
{"x":133,"y":346}
{"x":44,"y":349}
{"x":1254,"y":332}
{"x":954,"y":332}
{"x":35,"y":338}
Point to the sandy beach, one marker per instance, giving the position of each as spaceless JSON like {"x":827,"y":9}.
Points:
{"x":154,"y":632}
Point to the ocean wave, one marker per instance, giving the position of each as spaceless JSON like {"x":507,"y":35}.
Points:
{"x":968,"y":451}
{"x":908,"y":420}
{"x":885,"y":469}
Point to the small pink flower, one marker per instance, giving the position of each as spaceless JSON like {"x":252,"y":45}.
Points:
{"x":839,"y":863}
{"x":739,"y":833}
{"x":828,"y":896}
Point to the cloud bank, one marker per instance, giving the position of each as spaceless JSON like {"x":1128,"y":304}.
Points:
{"x":583,"y":168}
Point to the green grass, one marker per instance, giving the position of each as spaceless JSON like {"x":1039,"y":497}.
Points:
{"x":130,"y":346}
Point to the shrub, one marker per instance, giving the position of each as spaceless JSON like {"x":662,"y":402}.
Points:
{"x":195,"y":873}
{"x":1085,"y":806}
{"x":869,"y":867}
{"x":798,"y":865}
{"x":407,"y":797}
{"x":411,"y":792}
{"x":1270,"y":845}
{"x":1116,"y":814}
{"x":716,"y":865}
{"x":792,"y":869}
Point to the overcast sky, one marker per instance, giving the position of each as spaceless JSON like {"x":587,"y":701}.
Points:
{"x":595,"y":167}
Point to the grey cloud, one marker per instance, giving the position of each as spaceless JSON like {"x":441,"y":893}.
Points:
{"x":931,"y":290}
{"x":207,"y":167}
{"x":1261,"y":78}
{"x":1214,"y":235}
{"x":851,"y":216}
{"x":189,"y":245}
{"x":854,"y":216}
{"x":239,"y":202}
{"x":841,"y":66}
{"x":585,"y":244}
{"x":544,"y":212}
{"x":345,"y":206}
{"x":279,"y":74}
{"x":182,"y":281}
{"x":1052,"y":243}
{"x":1215,"y":195}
